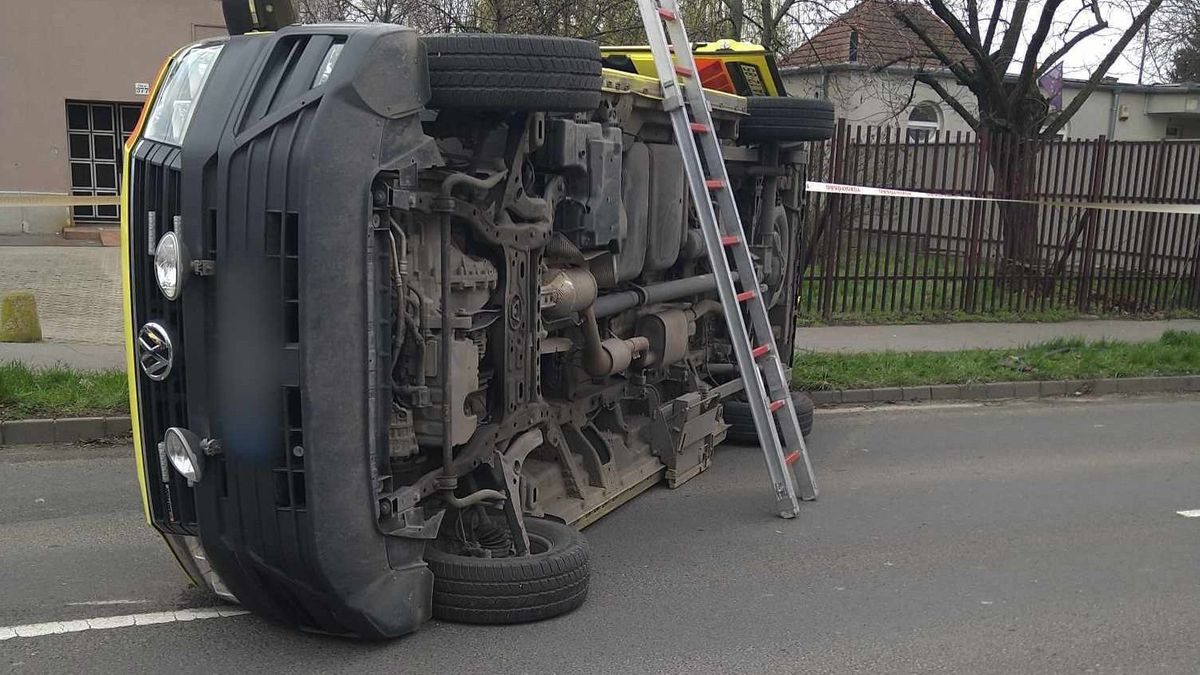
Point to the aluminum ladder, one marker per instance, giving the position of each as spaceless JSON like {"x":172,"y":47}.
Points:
{"x":766,"y":380}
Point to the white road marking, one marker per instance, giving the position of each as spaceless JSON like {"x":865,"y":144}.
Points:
{"x":89,"y":603}
{"x":107,"y":622}
{"x":1194,"y":513}
{"x":884,"y":407}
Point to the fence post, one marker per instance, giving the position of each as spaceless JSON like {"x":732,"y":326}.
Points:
{"x":1091,"y":232}
{"x":983,"y":143}
{"x":833,"y":231}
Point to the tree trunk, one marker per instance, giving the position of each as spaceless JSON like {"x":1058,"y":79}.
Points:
{"x":1012,"y":158}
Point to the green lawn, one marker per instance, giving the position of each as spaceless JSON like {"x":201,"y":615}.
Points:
{"x":60,"y":392}
{"x":1176,"y":353}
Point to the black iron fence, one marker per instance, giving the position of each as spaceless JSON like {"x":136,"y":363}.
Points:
{"x":870,"y":256}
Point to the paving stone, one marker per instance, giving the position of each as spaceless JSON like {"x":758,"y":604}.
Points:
{"x":1079,"y":387}
{"x":888,"y":395}
{"x":858,"y":395}
{"x":1054,"y":388}
{"x":1027,"y":389}
{"x":825,"y":397}
{"x":915,"y":393}
{"x":23,"y":432}
{"x":995,"y":390}
{"x":974,"y":392}
{"x":1169,"y":383}
{"x":945,"y":392}
{"x":1137,"y":385}
{"x":69,"y":430}
{"x":117,"y":426}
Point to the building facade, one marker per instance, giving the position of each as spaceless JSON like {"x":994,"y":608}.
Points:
{"x":74,"y":75}
{"x":864,"y":63}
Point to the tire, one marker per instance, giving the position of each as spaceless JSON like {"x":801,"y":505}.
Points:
{"x":512,"y":590}
{"x":477,"y":71}
{"x":781,"y":118}
{"x":741,"y":420}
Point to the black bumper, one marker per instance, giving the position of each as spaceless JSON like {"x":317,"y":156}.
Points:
{"x":274,"y":357}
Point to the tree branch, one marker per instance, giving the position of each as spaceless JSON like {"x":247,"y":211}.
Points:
{"x":973,"y":18}
{"x":987,"y":84}
{"x":1068,"y":46}
{"x":997,"y":7}
{"x":1029,"y":64}
{"x":1012,"y":35}
{"x":1114,"y":52}
{"x":932,"y":82}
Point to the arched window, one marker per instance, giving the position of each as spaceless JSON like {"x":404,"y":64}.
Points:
{"x":924,"y":121}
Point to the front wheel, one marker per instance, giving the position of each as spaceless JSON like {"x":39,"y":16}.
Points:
{"x":551,"y":580}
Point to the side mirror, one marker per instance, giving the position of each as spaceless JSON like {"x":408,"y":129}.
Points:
{"x":245,"y":16}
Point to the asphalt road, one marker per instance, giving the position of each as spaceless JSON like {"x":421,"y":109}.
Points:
{"x":1032,"y":537}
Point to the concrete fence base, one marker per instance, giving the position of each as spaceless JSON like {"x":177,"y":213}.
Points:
{"x":1004,"y":390}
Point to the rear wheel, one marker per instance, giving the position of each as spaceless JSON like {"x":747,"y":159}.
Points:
{"x":786,"y":119}
{"x":551,"y":580}
{"x":741,"y":420}
{"x":475,"y":71}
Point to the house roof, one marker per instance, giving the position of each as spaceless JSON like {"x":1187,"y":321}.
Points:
{"x":881,"y":38}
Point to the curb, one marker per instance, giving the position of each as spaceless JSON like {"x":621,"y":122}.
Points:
{"x":63,"y":430}
{"x":74,"y":429}
{"x":996,"y":391}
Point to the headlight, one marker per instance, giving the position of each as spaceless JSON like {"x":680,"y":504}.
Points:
{"x":185,"y":454}
{"x":170,"y":265}
{"x":181,"y":88}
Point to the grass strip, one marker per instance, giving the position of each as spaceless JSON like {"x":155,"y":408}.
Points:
{"x":1175,"y":353}
{"x":63,"y":392}
{"x":27,"y":392}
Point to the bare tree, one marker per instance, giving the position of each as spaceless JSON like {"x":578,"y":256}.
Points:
{"x":1009,"y":48}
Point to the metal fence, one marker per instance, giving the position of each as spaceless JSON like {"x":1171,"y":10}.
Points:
{"x":867,"y":256}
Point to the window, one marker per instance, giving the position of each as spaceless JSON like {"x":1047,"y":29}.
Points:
{"x":853,"y":46}
{"x":923,"y":122}
{"x":96,"y":135}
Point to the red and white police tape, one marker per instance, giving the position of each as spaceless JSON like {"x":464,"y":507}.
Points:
{"x":864,"y":191}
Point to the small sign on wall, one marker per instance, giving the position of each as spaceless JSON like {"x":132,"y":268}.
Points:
{"x":141,"y":88}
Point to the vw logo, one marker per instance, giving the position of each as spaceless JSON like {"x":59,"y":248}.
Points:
{"x":155,"y":352}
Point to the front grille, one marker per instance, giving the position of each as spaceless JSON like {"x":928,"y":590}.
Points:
{"x":155,"y":209}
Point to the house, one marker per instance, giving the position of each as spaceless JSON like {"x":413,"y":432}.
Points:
{"x":73,"y":77}
{"x":864,"y":62}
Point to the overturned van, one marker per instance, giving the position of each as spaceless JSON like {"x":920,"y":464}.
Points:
{"x":408,"y":311}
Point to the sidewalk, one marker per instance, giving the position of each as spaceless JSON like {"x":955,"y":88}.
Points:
{"x":959,"y":336}
{"x":914,"y":338}
{"x":78,"y":355}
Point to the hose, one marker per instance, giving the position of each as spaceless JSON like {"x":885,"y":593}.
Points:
{"x":445,"y":204}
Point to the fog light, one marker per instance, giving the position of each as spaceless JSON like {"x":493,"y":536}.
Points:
{"x":170,"y":265}
{"x":185,"y":454}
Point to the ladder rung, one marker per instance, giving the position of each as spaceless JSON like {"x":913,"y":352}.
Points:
{"x":714,"y":184}
{"x":776,"y":405}
{"x":683,"y":71}
{"x":666,"y":14}
{"x":791,"y":459}
{"x":730,"y":240}
{"x":745,"y":295}
{"x":759,"y":351}
{"x":698,"y":128}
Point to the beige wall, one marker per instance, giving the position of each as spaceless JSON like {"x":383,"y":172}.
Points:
{"x":78,"y":49}
{"x":887,"y":98}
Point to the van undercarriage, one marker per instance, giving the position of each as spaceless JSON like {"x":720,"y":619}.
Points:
{"x":445,"y":304}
